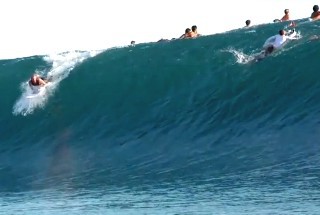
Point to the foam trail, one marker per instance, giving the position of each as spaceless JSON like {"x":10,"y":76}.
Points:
{"x":62,"y":65}
{"x":241,"y":57}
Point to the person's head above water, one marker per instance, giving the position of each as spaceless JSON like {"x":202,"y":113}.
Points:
{"x":286,"y":11}
{"x":248,"y":22}
{"x":34,"y":77}
{"x":315,"y":8}
{"x":282,"y":32}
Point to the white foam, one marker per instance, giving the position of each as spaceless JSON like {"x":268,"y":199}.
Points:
{"x":240,"y":56}
{"x":62,"y":65}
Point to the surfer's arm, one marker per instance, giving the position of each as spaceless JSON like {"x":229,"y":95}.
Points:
{"x":182,"y":36}
{"x":42,"y":82}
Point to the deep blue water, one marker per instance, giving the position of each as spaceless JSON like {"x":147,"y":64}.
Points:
{"x":181,"y":127}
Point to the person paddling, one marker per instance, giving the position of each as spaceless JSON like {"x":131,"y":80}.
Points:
{"x":36,"y":80}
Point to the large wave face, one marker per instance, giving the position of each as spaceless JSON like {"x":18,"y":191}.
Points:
{"x":185,"y":126}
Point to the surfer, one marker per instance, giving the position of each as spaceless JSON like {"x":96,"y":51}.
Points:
{"x":37,"y":85}
{"x":278,"y":40}
{"x":36,"y":80}
{"x":316,"y":13}
{"x":194,"y":30}
{"x":275,"y":42}
{"x":286,"y":17}
{"x":187,"y":34}
{"x":248,"y":22}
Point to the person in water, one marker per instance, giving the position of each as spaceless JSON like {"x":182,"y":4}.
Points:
{"x":248,"y":22}
{"x":187,"y":34}
{"x":278,"y":40}
{"x":286,"y":16}
{"x":36,"y":80}
{"x":194,"y":30}
{"x":316,"y":13}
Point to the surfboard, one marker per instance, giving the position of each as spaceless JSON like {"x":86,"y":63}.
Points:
{"x":32,"y":96}
{"x":38,"y":92}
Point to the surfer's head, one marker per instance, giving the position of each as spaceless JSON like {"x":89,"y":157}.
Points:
{"x":282,"y":32}
{"x":34,"y":77}
{"x":248,"y":22}
{"x":315,"y":8}
{"x":286,"y":11}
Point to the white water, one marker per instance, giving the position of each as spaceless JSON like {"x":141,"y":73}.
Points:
{"x":62,"y":65}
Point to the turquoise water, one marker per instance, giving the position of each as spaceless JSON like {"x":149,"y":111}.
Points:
{"x":181,"y":127}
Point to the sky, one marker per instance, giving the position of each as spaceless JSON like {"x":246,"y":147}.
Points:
{"x":37,"y":27}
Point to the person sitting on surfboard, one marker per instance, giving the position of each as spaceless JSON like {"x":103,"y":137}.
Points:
{"x":36,"y":80}
{"x":286,"y":17}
